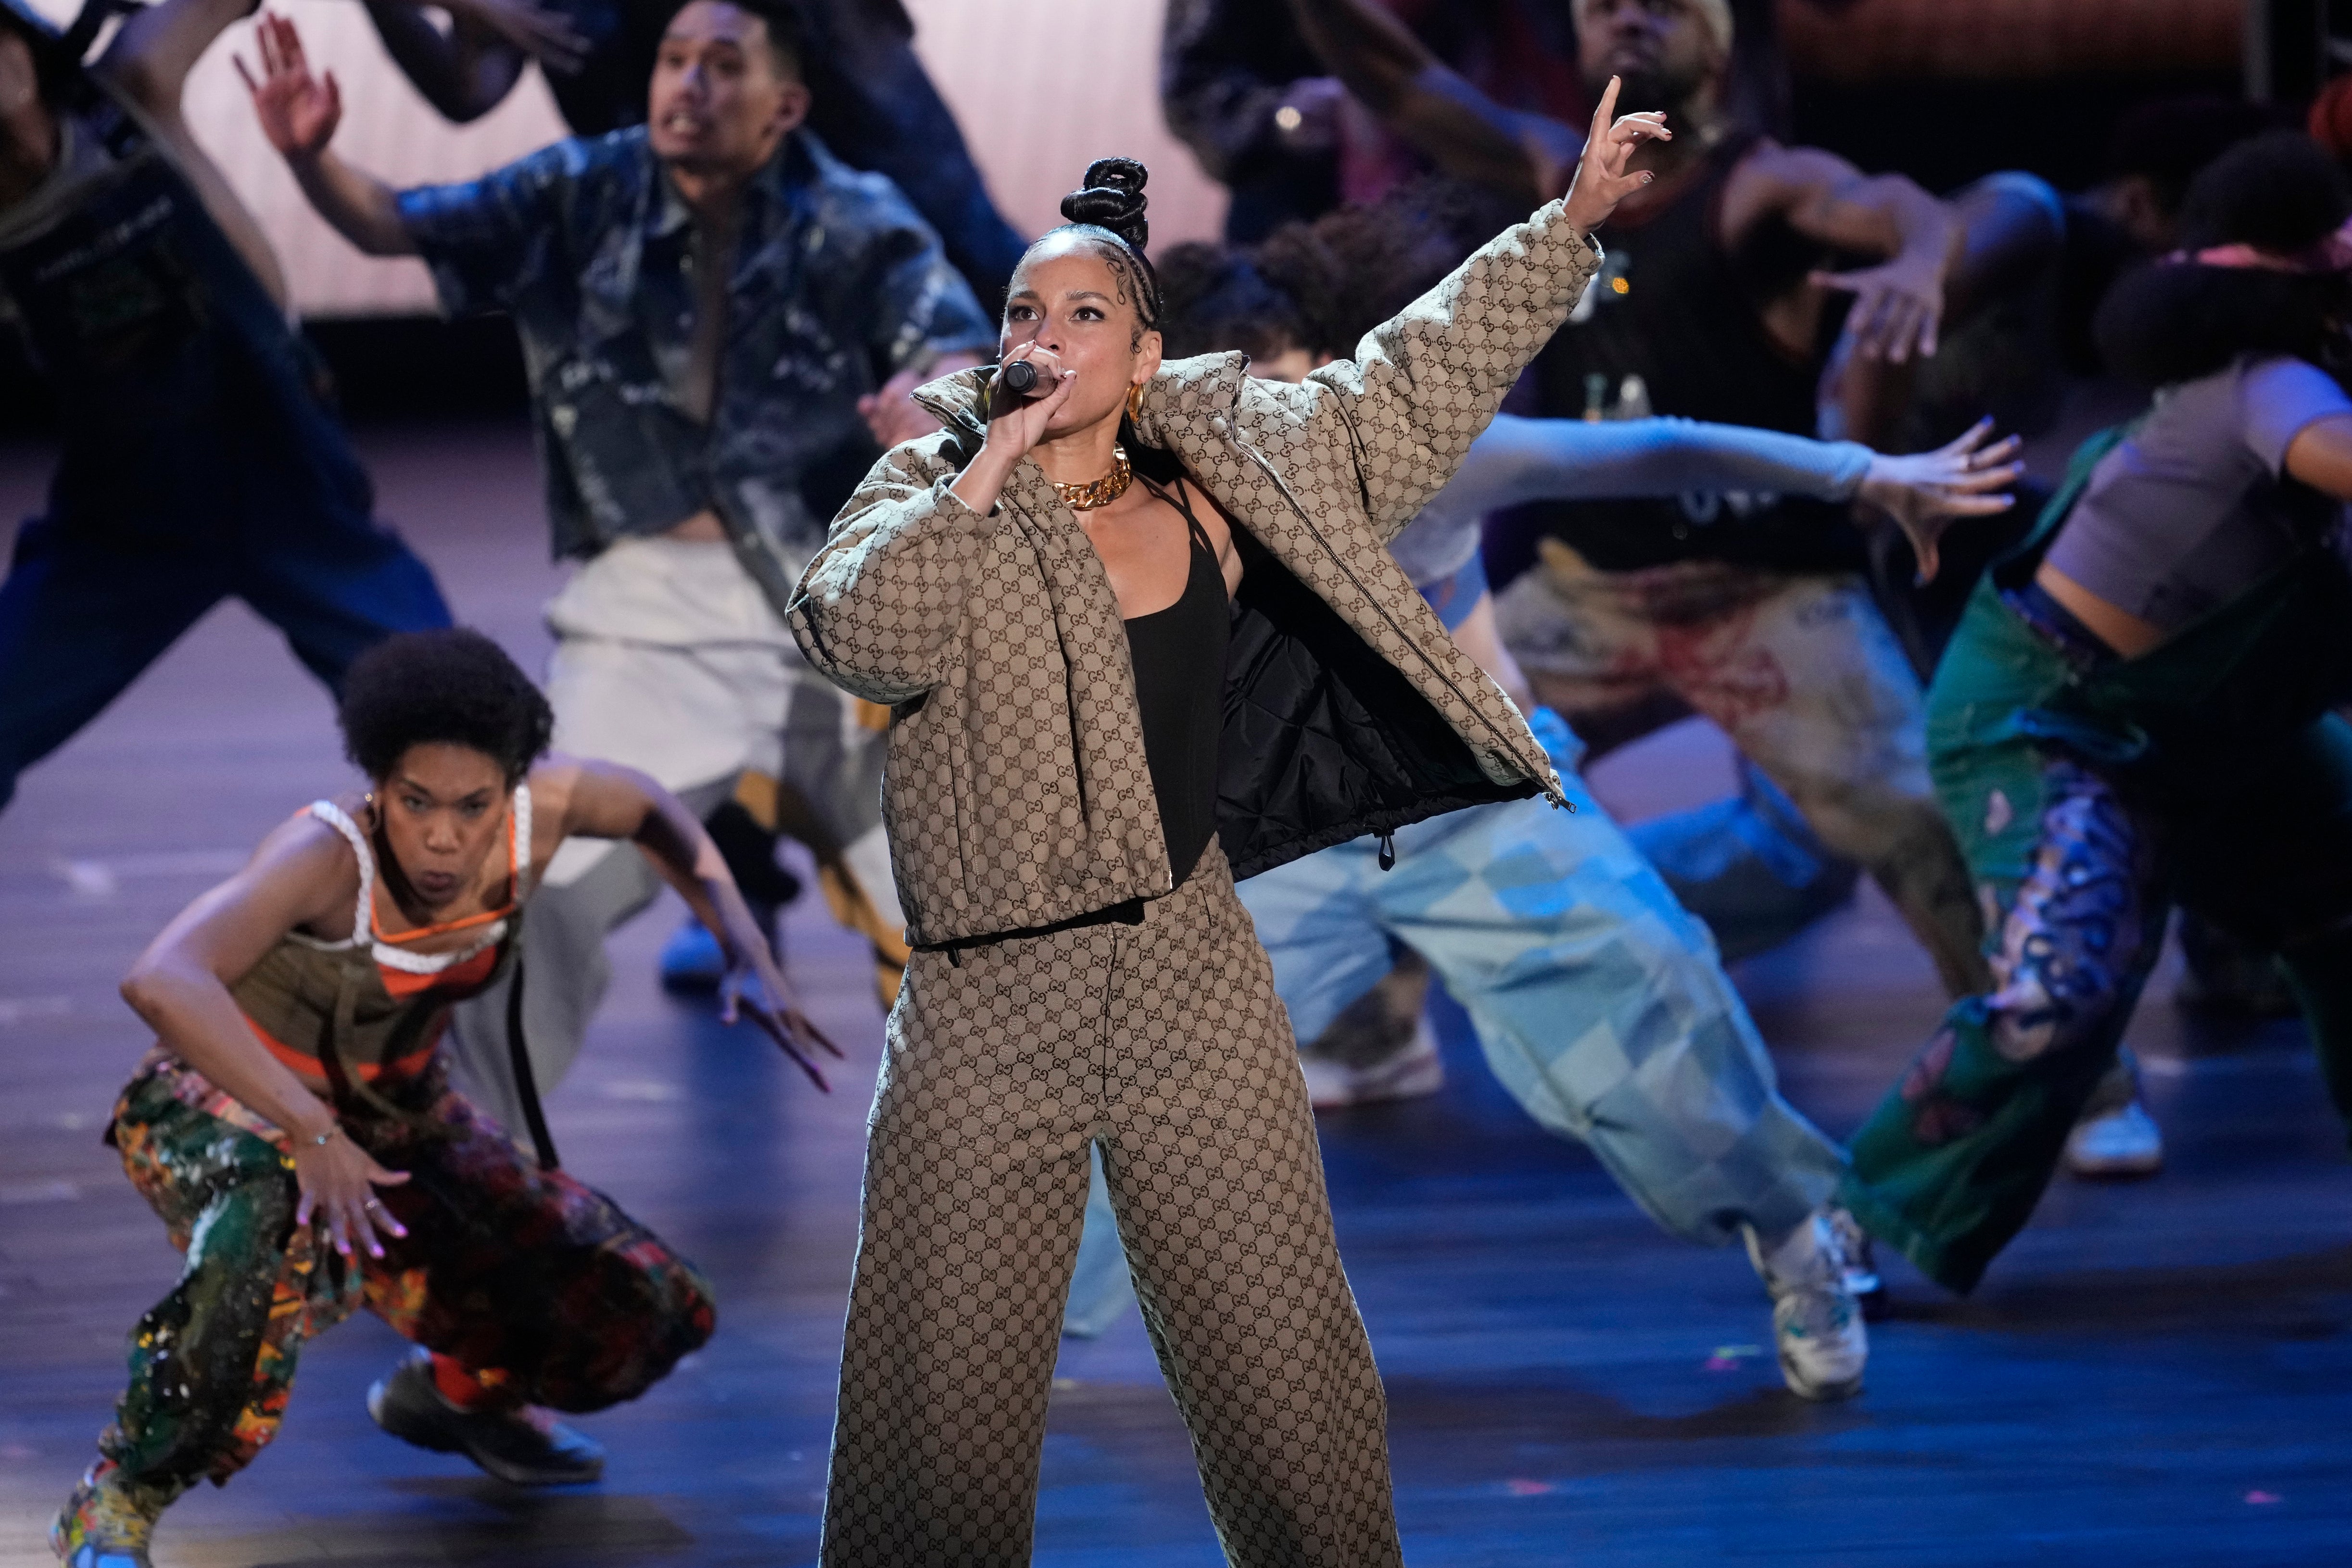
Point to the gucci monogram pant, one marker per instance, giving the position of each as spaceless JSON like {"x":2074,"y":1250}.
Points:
{"x":1161,"y":1042}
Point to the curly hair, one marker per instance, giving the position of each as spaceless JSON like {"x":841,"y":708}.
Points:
{"x":455,"y":687}
{"x":1217,"y":300}
{"x":1355,"y":266}
{"x":2176,"y":319}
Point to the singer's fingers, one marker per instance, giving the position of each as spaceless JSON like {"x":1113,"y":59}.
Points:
{"x":1605,"y":112}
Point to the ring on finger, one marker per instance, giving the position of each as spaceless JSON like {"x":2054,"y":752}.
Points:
{"x":372,"y":1204}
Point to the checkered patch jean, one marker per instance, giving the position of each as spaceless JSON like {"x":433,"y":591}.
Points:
{"x":1162,"y":1044}
{"x":1598,"y":1000}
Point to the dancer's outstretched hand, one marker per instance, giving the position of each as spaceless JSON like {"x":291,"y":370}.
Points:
{"x":1601,"y":178}
{"x":338,"y":1180}
{"x":1898,"y":305}
{"x":298,"y":111}
{"x":753,"y":984}
{"x":1926,"y":492}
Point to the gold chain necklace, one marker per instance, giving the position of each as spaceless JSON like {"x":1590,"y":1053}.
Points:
{"x":1101,"y":492}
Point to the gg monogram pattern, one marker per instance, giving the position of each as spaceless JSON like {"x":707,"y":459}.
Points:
{"x":1016,"y":791}
{"x":1164,"y":1043}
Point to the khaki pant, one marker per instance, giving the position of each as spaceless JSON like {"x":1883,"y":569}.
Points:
{"x":1799,"y":669}
{"x":1163,"y":1044}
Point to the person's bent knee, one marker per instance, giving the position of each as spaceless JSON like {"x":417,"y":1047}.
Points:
{"x":636,"y":1336}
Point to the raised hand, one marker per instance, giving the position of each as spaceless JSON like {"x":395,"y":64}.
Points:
{"x":546,"y":36}
{"x":338,"y":1182}
{"x":1897,"y":306}
{"x":1926,"y":492}
{"x":1603,"y":179}
{"x":753,"y":984}
{"x":299,"y":113}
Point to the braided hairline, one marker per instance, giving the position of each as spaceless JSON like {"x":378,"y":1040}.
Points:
{"x":1129,"y":271}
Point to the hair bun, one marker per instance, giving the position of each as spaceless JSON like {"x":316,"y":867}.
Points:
{"x":1113,"y":198}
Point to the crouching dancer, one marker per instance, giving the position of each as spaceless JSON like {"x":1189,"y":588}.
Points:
{"x":1140,"y":637}
{"x":295,"y":1128}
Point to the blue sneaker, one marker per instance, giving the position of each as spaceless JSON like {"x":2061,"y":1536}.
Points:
{"x":691,"y":960}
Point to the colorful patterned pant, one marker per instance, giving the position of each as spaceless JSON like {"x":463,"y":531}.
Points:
{"x":2081,"y":848}
{"x":1163,"y":1044}
{"x":1799,"y":669}
{"x":524,"y":1277}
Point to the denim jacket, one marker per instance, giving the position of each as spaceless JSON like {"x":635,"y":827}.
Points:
{"x":838,"y":286}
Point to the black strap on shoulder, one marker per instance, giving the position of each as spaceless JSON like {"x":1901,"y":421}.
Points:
{"x":1176,"y":498}
{"x":527,"y":1081}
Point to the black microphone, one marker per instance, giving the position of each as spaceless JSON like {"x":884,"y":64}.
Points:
{"x":1020,"y":378}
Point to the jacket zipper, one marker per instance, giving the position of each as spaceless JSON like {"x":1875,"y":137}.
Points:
{"x":1557,"y":796}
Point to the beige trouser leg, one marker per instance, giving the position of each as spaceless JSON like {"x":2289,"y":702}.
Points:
{"x":1164,"y":1043}
{"x":1800,"y":670}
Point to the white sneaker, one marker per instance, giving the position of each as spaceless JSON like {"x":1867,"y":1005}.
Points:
{"x":1816,"y":1323}
{"x":1409,"y":1073}
{"x":2117,"y":1144}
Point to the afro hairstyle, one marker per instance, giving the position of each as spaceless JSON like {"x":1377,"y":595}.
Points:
{"x":454,"y":687}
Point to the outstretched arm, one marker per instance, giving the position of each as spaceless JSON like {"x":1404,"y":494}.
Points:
{"x":1519,"y":460}
{"x":1899,"y":302}
{"x":605,"y":800}
{"x":1461,"y":129}
{"x":148,"y":63}
{"x":1423,"y":385}
{"x":298,"y":113}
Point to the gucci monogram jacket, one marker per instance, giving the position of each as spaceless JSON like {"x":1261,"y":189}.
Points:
{"x":1015,"y":790}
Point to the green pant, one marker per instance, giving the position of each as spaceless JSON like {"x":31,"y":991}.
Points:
{"x":2088,"y":799}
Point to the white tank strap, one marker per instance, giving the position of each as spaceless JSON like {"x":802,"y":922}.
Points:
{"x":336,"y":817}
{"x":521,"y":816}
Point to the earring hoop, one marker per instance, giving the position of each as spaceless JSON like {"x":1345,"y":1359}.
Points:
{"x":1134,"y":403}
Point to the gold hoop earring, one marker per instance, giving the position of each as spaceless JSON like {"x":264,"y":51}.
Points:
{"x":1134,"y":403}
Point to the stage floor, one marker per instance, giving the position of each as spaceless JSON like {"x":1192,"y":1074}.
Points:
{"x":2156,"y":1373}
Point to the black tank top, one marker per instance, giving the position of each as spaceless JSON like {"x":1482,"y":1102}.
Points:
{"x":1179,"y":655}
{"x":1677,"y":308}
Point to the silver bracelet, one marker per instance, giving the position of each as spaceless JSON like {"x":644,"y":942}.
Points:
{"x":321,"y":1141}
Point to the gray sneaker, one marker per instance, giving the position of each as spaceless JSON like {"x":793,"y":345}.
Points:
{"x":1816,"y":1323}
{"x":523,"y":1447}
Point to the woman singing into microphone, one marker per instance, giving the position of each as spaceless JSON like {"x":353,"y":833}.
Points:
{"x":1140,"y":636}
